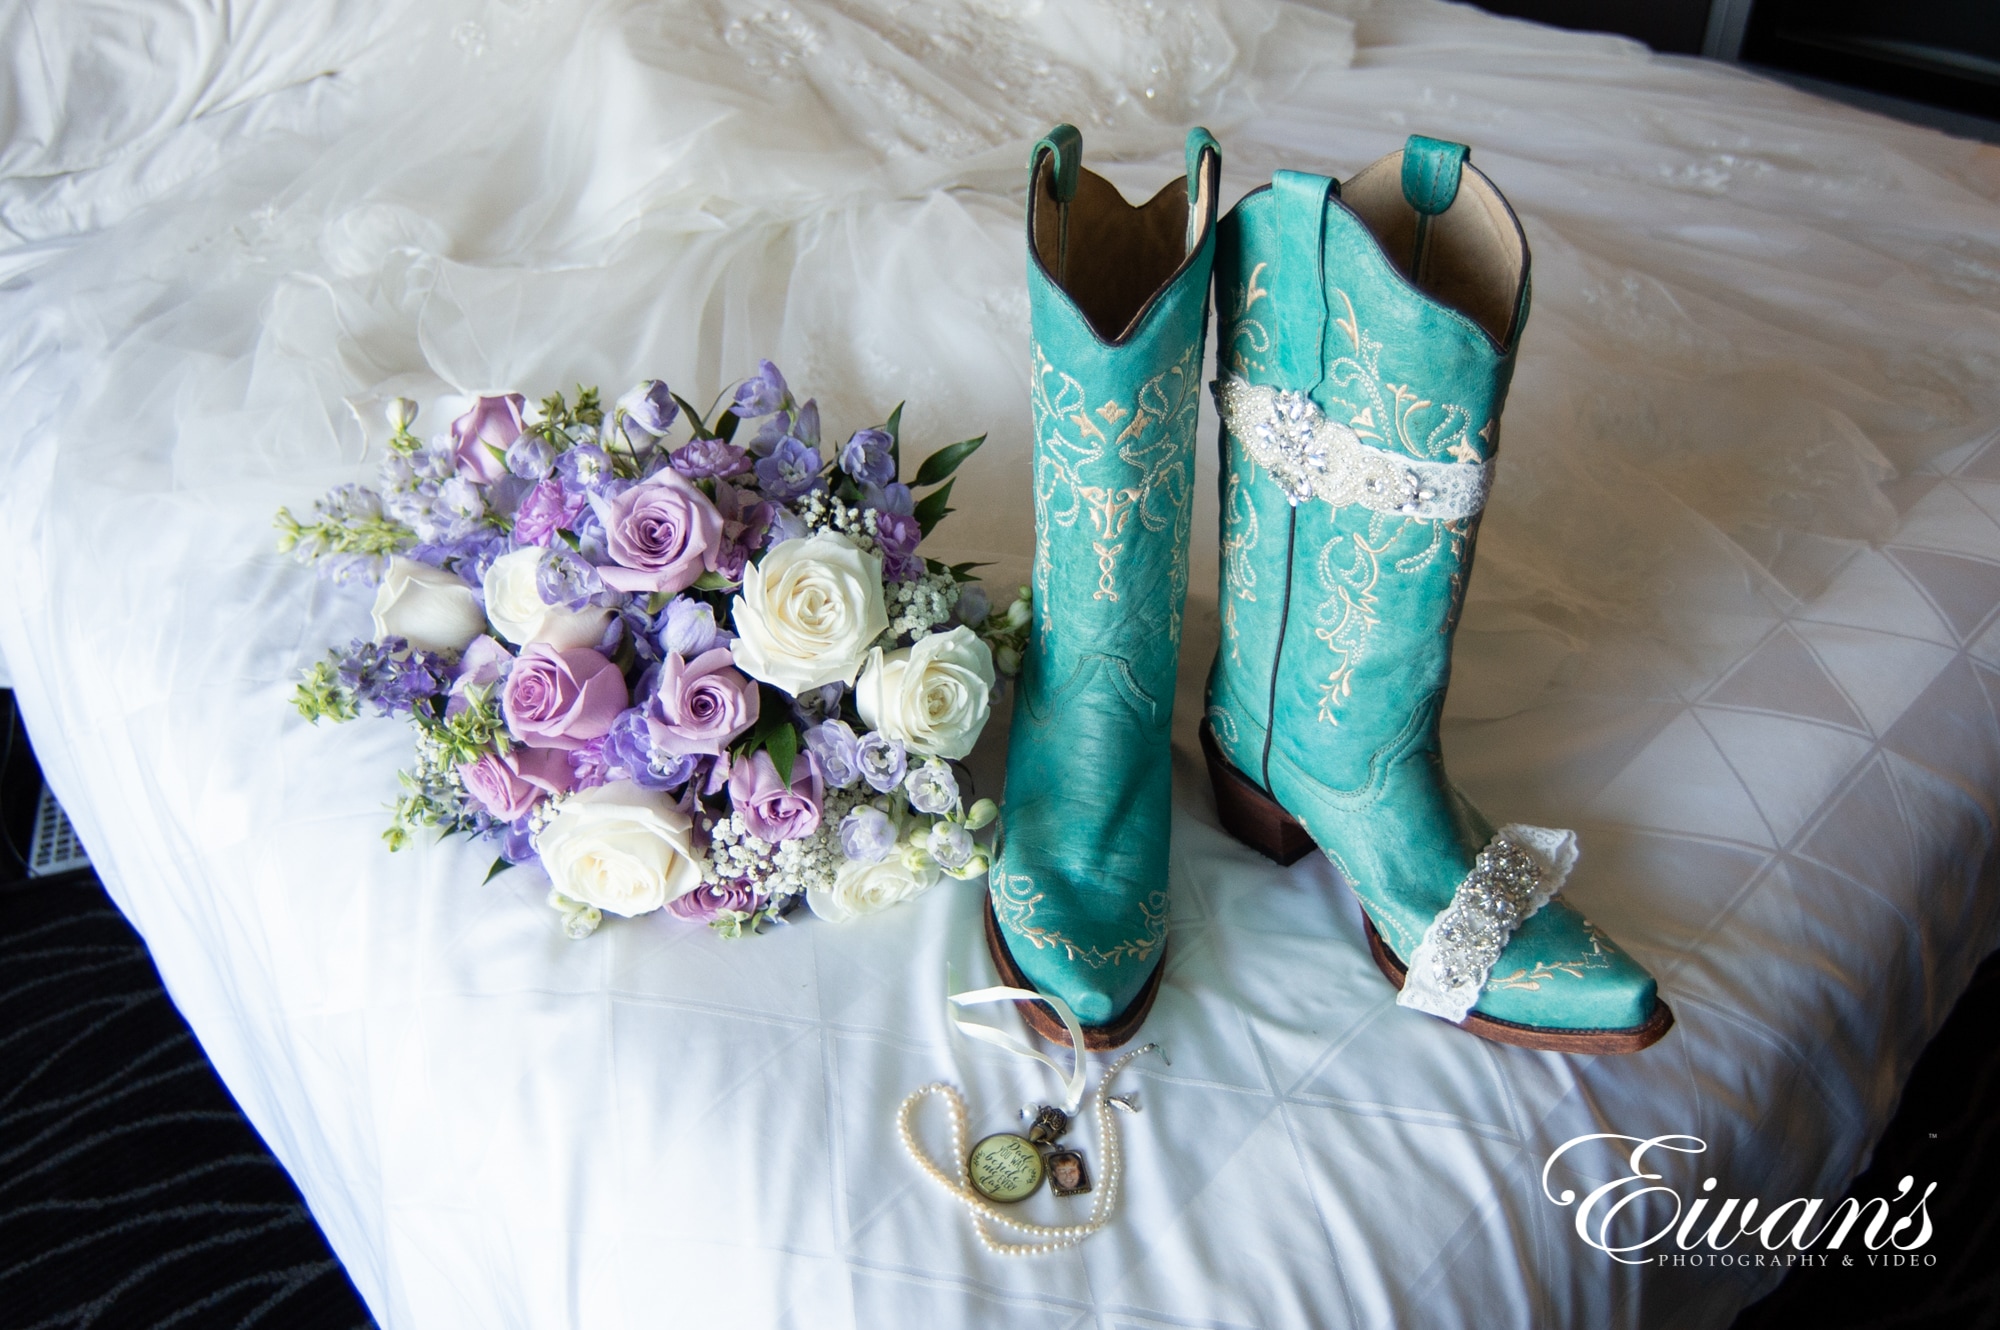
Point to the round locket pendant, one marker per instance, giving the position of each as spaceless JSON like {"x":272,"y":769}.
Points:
{"x":1005,"y":1167}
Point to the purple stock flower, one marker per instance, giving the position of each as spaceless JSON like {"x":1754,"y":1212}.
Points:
{"x":585,"y":467}
{"x":867,"y":835}
{"x":391,"y":675}
{"x":630,"y":745}
{"x":649,"y":409}
{"x":688,"y":628}
{"x":762,"y":393}
{"x":805,"y":425}
{"x":881,"y":760}
{"x":484,"y":663}
{"x":517,"y":845}
{"x":710,"y":899}
{"x":895,"y":497}
{"x":866,"y":457}
{"x":785,"y":525}
{"x":838,"y":751}
{"x":902,"y":567}
{"x":897,"y":533}
{"x":564,"y":578}
{"x":792,"y":469}
{"x":770,"y":809}
{"x":710,"y":457}
{"x":592,"y":765}
{"x":547,"y":509}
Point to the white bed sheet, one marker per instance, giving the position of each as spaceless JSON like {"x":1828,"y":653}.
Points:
{"x":1762,"y":685}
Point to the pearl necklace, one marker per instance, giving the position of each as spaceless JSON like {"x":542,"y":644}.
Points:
{"x":1053,"y":1237}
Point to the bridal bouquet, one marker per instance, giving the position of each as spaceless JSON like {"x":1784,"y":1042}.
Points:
{"x":679,"y":667}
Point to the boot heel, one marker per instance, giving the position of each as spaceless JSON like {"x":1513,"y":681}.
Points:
{"x":1249,"y":814}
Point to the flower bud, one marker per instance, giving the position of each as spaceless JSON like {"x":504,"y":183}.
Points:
{"x":917,"y":859}
{"x":981,"y":814}
{"x":974,"y":867}
{"x":401,"y":411}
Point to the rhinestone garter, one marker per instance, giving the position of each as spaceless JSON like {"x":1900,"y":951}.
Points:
{"x":1309,"y":455}
{"x":1517,"y":873}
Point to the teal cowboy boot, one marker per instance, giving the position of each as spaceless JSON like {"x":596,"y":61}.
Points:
{"x":1365,"y":340}
{"x":1118,"y":298}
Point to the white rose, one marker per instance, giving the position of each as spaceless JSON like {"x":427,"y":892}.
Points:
{"x":431,"y":609}
{"x":619,"y":847}
{"x":860,"y":888}
{"x":808,"y":612}
{"x":935,"y":696}
{"x":521,"y":615}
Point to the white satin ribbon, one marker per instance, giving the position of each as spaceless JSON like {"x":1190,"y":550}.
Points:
{"x":1072,"y":1080}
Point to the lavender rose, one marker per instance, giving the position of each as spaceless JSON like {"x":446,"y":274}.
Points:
{"x":662,"y":534}
{"x":710,"y":899}
{"x":508,"y":785}
{"x":481,"y":437}
{"x":699,"y":705}
{"x":561,"y":699}
{"x":769,"y":809}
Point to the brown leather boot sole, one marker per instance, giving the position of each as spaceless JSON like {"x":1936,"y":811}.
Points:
{"x":1252,"y":816}
{"x":1042,"y":1018}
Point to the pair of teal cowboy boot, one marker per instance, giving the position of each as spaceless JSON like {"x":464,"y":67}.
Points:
{"x":1365,"y":342}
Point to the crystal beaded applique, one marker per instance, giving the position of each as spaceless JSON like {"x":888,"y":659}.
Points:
{"x":1312,"y":457}
{"x":1517,"y":873}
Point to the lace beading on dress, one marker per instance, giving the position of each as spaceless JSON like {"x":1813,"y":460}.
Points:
{"x":1312,"y":457}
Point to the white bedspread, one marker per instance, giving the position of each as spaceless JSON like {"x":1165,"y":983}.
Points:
{"x":1734,"y":619}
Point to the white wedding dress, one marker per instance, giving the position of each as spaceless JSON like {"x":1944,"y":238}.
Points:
{"x":1751,"y":310}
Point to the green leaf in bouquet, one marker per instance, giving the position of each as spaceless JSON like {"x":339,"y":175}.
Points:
{"x":893,"y":427}
{"x":701,"y":429}
{"x":931,"y":510}
{"x":656,"y":602}
{"x":725,"y":428}
{"x":499,"y":866}
{"x":712,"y":581}
{"x":783,"y":745}
{"x":570,"y":538}
{"x":962,"y":572}
{"x":940,"y":464}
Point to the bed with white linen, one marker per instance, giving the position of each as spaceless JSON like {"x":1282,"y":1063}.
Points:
{"x":1736,"y":619}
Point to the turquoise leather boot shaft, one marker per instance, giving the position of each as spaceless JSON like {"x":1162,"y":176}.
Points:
{"x":1119,"y":303}
{"x":1395,"y":308}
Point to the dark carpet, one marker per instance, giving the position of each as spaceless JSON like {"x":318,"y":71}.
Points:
{"x":132,"y":1191}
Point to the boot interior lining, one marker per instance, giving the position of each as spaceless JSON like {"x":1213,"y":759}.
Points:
{"x":1118,"y":255}
{"x":1474,"y":253}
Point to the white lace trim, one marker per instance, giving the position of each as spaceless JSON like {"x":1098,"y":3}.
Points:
{"x":1520,"y":870}
{"x":1309,"y":455}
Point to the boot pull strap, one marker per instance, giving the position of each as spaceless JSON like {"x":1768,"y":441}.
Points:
{"x":1431,"y":172}
{"x":1066,"y":143}
{"x":1199,"y":143}
{"x":1298,"y":287}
